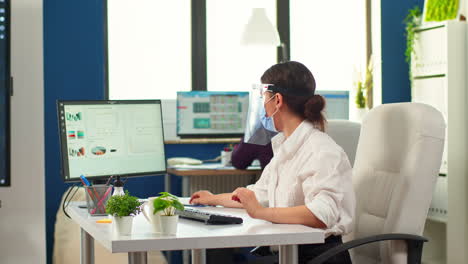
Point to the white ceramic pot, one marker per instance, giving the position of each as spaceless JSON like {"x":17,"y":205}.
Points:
{"x":154,"y":219}
{"x":123,"y":225}
{"x":169,"y":224}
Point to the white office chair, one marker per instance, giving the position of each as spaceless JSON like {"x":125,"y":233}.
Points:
{"x":397,"y":163}
{"x":346,"y":134}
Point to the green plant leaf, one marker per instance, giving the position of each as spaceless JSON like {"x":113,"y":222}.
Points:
{"x":412,"y":22}
{"x":360,"y":99}
{"x":166,"y":194}
{"x":160,"y":204}
{"x":167,"y":203}
{"x":178,"y":205}
{"x":123,"y":205}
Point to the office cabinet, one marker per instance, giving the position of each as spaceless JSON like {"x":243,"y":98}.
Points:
{"x":439,"y":79}
{"x":433,"y":91}
{"x":430,"y":51}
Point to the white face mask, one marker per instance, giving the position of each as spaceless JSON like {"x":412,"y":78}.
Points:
{"x":267,"y":121}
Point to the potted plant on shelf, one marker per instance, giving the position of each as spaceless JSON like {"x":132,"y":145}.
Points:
{"x":412,"y":21}
{"x":167,"y":204}
{"x":123,"y":208}
{"x":369,"y":82}
{"x":359,"y":94}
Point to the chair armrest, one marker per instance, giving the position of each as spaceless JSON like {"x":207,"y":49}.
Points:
{"x":414,"y":243}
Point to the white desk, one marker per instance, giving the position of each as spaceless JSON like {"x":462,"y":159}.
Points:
{"x":193,"y":235}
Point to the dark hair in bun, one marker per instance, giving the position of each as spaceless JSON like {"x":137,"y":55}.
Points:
{"x":313,"y":111}
{"x":295,"y":77}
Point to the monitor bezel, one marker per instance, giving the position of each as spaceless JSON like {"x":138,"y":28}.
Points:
{"x":63,"y":144}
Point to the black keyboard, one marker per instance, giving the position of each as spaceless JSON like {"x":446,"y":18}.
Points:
{"x":209,"y":218}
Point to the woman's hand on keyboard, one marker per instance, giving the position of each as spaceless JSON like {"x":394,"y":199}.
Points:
{"x":249,"y":201}
{"x":202,"y":197}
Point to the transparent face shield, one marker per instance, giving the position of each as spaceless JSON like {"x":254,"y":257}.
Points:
{"x":261,"y":89}
{"x":255,"y":133}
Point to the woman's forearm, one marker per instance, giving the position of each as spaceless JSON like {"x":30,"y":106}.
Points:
{"x":291,"y":215}
{"x":224,"y":199}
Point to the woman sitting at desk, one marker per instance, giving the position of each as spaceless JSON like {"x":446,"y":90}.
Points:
{"x":308,"y":180}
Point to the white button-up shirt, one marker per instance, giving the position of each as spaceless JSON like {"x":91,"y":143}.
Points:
{"x":310,"y":169}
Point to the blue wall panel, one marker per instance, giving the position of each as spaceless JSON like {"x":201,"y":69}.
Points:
{"x":73,"y":69}
{"x":395,"y":79}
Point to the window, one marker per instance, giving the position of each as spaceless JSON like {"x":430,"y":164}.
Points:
{"x":149,"y":49}
{"x":231,"y":66}
{"x":329,"y":40}
{"x":150,"y":45}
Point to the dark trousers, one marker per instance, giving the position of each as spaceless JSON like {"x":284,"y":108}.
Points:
{"x":308,"y":252}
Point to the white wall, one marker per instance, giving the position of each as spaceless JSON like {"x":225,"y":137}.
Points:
{"x":22,"y":215}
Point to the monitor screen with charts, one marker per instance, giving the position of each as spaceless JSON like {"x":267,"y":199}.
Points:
{"x":103,"y":138}
{"x":206,"y":113}
{"x":337,"y":106}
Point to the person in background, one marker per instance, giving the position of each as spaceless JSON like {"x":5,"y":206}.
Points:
{"x":308,"y":180}
{"x":244,"y":153}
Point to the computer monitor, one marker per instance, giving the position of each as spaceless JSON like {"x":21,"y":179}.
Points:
{"x":5,"y":93}
{"x":337,"y":106}
{"x":103,"y":138}
{"x":207,"y":113}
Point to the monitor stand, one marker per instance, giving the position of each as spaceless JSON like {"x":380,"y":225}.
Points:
{"x":118,"y":187}
{"x":96,"y":182}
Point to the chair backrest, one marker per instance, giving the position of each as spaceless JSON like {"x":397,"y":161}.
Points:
{"x":397,"y":162}
{"x":346,"y":134}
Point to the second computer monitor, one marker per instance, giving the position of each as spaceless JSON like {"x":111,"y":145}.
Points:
{"x":337,"y":103}
{"x":206,"y":113}
{"x":103,"y":138}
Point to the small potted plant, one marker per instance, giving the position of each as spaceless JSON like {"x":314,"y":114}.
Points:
{"x":167,"y":204}
{"x":123,"y":208}
{"x":359,"y":111}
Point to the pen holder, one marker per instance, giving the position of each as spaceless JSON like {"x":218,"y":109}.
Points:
{"x":97,"y":197}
